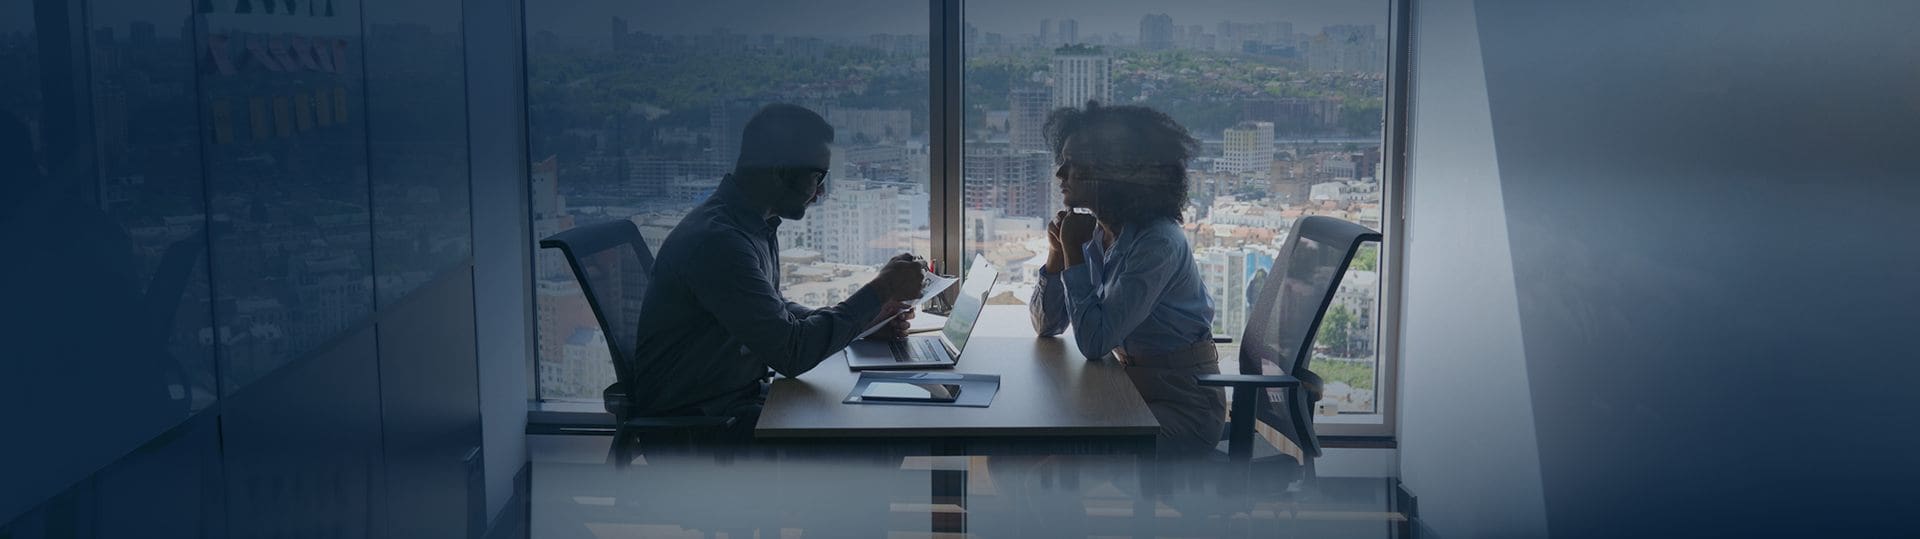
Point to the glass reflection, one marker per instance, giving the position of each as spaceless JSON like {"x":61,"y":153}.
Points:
{"x":635,"y":111}
{"x":417,"y":143}
{"x":142,"y":73}
{"x":287,"y":169}
{"x":1287,"y":99}
{"x":103,"y":219}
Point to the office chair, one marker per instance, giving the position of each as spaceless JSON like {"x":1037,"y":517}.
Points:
{"x":614,"y":267}
{"x":1275,"y":387}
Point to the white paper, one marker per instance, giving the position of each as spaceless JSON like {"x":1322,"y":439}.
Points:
{"x":930,"y":285}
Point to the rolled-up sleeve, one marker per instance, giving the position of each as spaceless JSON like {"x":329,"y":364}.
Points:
{"x":1103,"y":317}
{"x":1048,"y":306}
{"x":739,"y":293}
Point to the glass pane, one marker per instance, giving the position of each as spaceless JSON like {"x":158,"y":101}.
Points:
{"x":1285,"y":97}
{"x":416,"y":143}
{"x":286,"y":172}
{"x":150,"y":183}
{"x":635,"y":112}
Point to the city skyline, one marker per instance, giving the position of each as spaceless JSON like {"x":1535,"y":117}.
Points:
{"x":588,"y":18}
{"x":649,"y":139}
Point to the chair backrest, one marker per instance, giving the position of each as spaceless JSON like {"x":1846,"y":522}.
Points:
{"x":614,"y":268}
{"x":1286,"y":316}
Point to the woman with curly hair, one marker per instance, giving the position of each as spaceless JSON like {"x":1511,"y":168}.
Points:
{"x":1123,"y":276}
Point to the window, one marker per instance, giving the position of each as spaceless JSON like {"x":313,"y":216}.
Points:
{"x":635,"y":111}
{"x":1287,"y":99}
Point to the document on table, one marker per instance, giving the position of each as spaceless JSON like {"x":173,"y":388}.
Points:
{"x":930,"y":285}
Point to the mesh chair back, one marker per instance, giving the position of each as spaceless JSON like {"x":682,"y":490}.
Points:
{"x":614,"y":267}
{"x":1286,"y":316}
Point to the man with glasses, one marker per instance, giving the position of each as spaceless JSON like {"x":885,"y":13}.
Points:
{"x":714,"y":320}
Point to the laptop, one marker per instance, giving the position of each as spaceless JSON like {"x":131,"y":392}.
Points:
{"x":931,"y":351}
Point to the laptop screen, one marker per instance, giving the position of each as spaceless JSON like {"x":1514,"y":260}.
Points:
{"x":966,"y":308}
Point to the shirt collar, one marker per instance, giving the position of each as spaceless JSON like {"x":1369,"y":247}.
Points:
{"x":1130,"y":234}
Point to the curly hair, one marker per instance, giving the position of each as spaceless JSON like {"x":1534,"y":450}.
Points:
{"x":1139,"y":156}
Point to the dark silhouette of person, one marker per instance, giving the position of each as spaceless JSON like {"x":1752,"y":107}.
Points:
{"x":714,"y":320}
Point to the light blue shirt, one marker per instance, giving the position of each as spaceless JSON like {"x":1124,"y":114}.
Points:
{"x":1143,"y":296}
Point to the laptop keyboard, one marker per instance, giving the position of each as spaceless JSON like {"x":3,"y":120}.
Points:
{"x":918,"y":351}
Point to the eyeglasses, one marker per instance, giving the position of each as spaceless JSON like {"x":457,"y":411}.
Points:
{"x":817,"y":178}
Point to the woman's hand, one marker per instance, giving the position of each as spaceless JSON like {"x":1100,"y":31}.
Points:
{"x":1075,"y":230}
{"x":1056,"y":253}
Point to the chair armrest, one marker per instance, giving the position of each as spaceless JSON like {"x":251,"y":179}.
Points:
{"x":1246,"y":395}
{"x":644,"y":424}
{"x":1246,"y":380}
{"x":1222,"y":339}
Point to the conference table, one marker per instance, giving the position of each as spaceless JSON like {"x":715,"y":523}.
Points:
{"x":1051,"y":401}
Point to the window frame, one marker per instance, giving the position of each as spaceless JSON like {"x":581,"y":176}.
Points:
{"x":946,"y":195}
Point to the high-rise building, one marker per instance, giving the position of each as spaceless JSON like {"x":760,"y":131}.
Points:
{"x":854,"y":225}
{"x":141,"y":34}
{"x":545,"y":188}
{"x":1069,"y":31}
{"x":1248,"y":150}
{"x":1359,"y":293}
{"x":617,"y":35}
{"x":1013,"y":181}
{"x":1233,"y":275}
{"x":853,"y":125}
{"x":581,"y":370}
{"x":1156,"y":32}
{"x":1081,"y":73}
{"x":1027,"y":109}
{"x":1047,"y":35}
{"x":561,"y":313}
{"x":655,"y":178}
{"x":549,"y":209}
{"x":725,"y":123}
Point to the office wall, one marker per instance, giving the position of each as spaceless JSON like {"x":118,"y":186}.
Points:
{"x":503,"y":296}
{"x":1699,"y":208}
{"x":238,"y":270}
{"x":1467,"y":440}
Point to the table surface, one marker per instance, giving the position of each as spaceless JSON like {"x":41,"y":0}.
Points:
{"x":1047,"y":389}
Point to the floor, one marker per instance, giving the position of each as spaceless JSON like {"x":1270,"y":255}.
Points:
{"x":575,"y":493}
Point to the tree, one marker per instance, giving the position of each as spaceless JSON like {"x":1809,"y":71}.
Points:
{"x":1362,"y":118}
{"x":1334,"y":330}
{"x":1367,"y":259}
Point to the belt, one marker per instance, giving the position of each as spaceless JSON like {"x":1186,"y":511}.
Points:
{"x":1198,"y":354}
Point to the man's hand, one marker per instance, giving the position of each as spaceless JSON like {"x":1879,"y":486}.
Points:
{"x":1056,"y":251}
{"x":897,"y":329}
{"x":1075,"y":230}
{"x":900,"y":280}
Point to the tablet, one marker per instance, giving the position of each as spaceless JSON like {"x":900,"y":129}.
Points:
{"x":910,"y":392}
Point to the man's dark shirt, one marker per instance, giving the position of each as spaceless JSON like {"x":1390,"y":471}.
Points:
{"x":714,"y":319}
